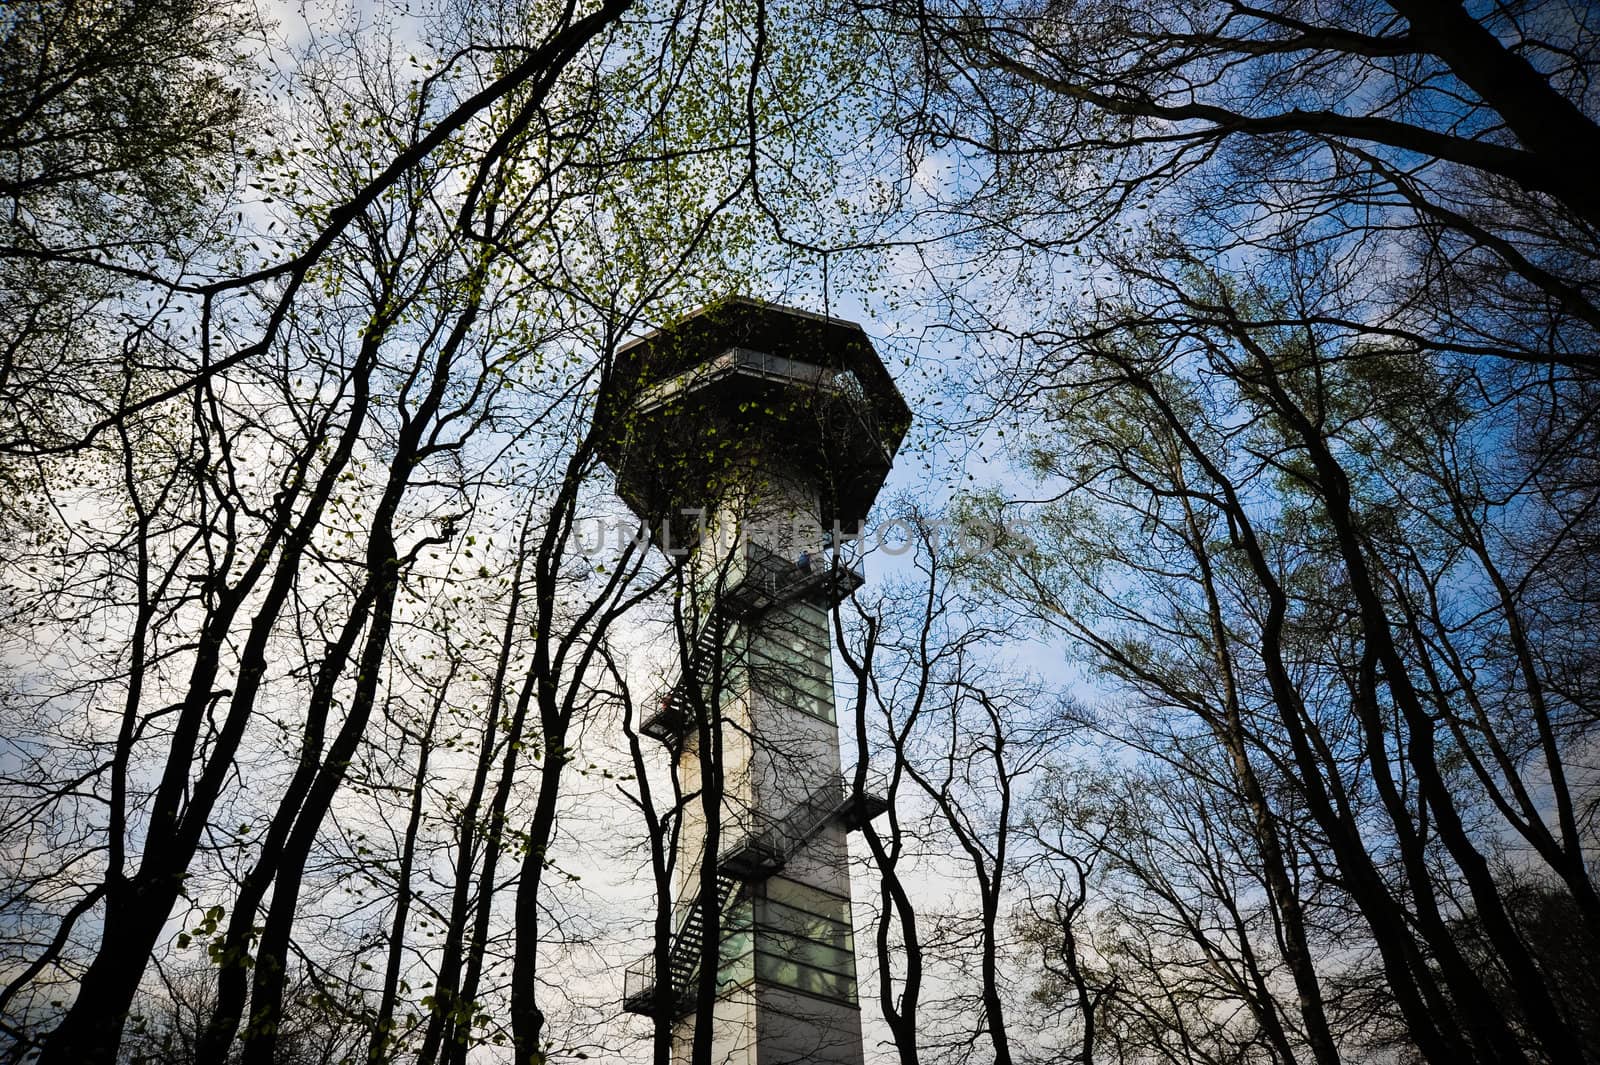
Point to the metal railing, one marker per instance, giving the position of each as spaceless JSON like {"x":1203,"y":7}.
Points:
{"x":770,"y":579}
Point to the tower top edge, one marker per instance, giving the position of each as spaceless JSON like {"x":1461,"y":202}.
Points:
{"x":731,"y":302}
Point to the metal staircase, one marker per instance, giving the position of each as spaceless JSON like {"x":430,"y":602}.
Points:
{"x":674,"y":715}
{"x":752,"y":859}
{"x":768,"y":581}
{"x":683,"y":960}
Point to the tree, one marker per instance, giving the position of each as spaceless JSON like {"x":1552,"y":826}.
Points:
{"x":1256,"y":124}
{"x":1259,"y":463}
{"x":954,"y":740}
{"x":1285,"y":330}
{"x":428,"y":352}
{"x":122,"y":124}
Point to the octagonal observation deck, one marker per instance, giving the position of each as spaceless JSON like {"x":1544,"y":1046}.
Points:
{"x":743,"y":384}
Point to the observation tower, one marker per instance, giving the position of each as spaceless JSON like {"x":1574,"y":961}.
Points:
{"x":749,"y":435}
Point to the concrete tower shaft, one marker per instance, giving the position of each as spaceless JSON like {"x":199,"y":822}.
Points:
{"x":752,"y":430}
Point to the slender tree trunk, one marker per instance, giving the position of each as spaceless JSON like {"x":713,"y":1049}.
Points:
{"x":895,"y":907}
{"x":707,"y":709}
{"x":1527,"y":982}
{"x":662,"y":836}
{"x":448,"y":981}
{"x":988,"y":867}
{"x":447,"y":1005}
{"x":267,"y":987}
{"x":137,"y":906}
{"x":1410,"y":977}
{"x":233,"y":973}
{"x":1285,"y":899}
{"x":527,"y":1018}
{"x":378,"y":1050}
